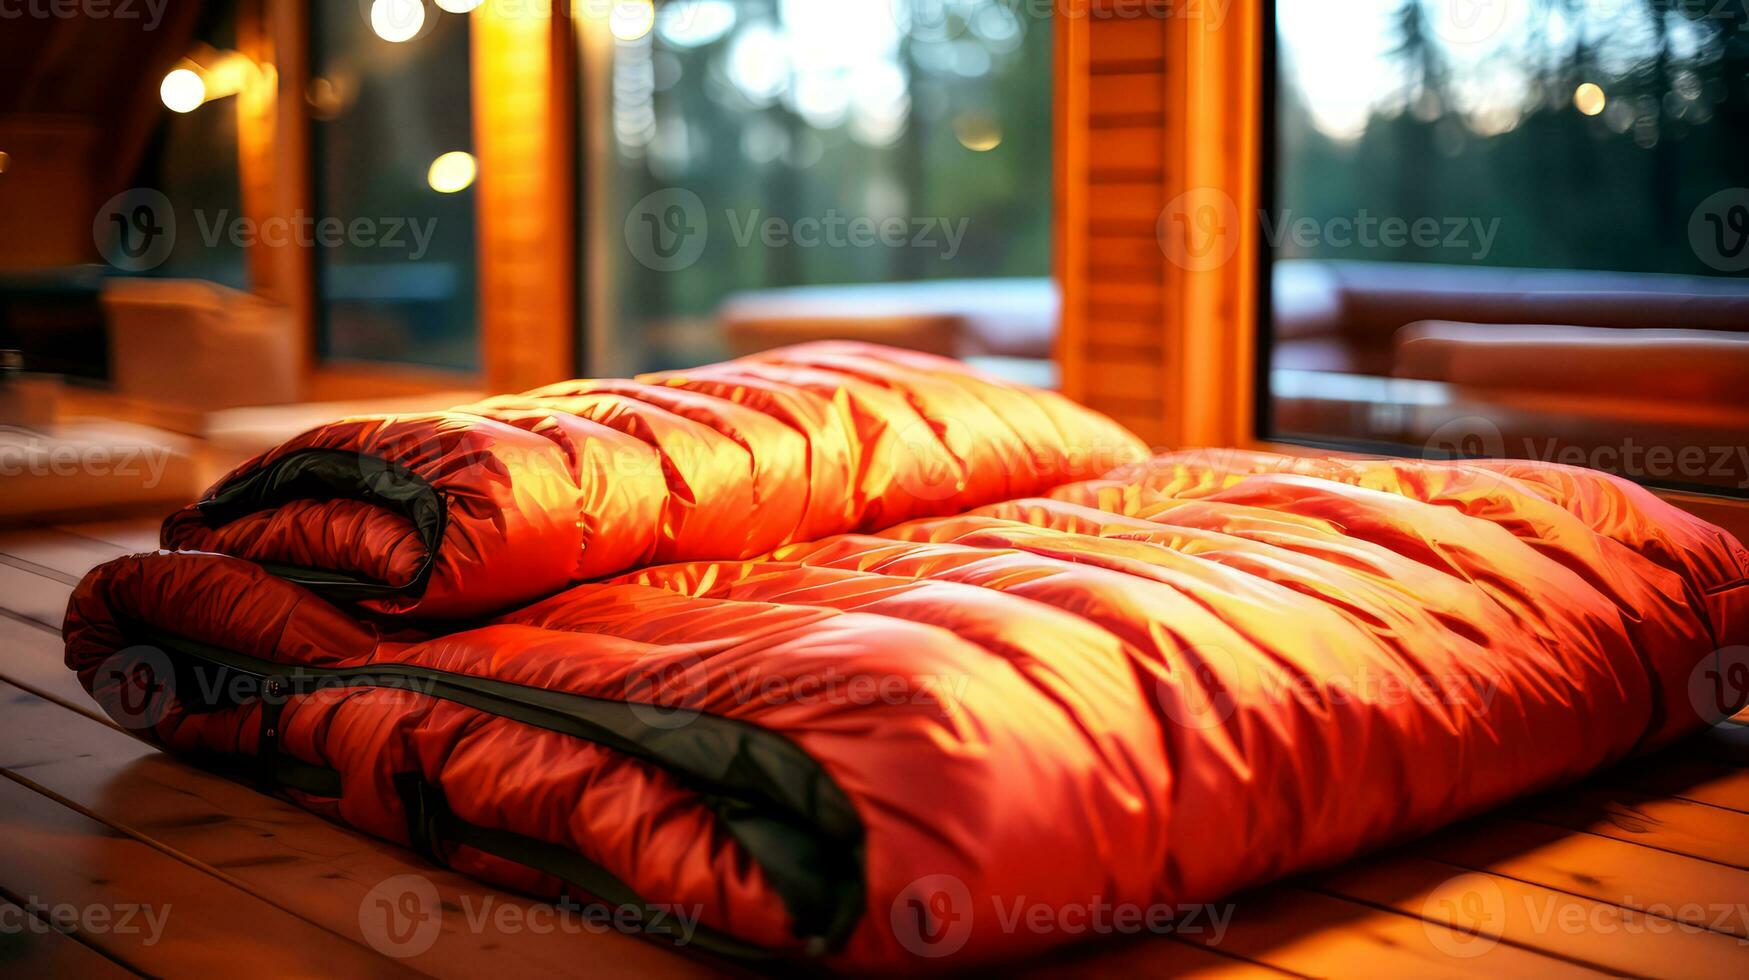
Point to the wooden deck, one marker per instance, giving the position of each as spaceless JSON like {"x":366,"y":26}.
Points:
{"x":116,"y":859}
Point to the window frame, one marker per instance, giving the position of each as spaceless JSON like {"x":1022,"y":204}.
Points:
{"x":1727,"y":509}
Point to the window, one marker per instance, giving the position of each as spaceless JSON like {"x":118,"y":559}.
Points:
{"x":394,"y":223}
{"x":760,"y":145}
{"x":1514,"y":229}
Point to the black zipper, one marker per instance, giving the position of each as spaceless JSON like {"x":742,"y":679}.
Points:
{"x":780,"y":804}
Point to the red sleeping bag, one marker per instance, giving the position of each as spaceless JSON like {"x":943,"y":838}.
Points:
{"x":849,"y":649}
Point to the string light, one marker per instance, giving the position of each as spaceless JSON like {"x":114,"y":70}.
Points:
{"x":397,"y":20}
{"x":631,"y":19}
{"x":183,"y":90}
{"x":453,"y":172}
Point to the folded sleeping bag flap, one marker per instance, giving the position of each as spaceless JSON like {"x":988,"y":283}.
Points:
{"x":849,"y":652}
{"x":489,"y":505}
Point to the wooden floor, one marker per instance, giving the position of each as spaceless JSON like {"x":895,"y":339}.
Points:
{"x":116,"y":859}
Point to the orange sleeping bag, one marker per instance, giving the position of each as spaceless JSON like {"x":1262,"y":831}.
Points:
{"x":840,"y":651}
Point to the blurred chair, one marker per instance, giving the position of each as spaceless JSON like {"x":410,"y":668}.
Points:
{"x":198,"y":345}
{"x":964,"y":318}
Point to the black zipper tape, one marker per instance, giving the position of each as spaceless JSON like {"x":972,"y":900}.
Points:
{"x":779,"y":804}
{"x":337,"y":474}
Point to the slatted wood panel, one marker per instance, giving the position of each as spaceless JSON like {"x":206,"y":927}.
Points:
{"x":1641,"y":871}
{"x":1153,"y":103}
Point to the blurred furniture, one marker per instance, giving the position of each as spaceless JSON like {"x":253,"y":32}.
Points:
{"x":55,"y":319}
{"x":1344,"y":316}
{"x":198,"y":345}
{"x":90,"y":466}
{"x":1701,"y":367}
{"x":235,"y":434}
{"x":1009,"y":318}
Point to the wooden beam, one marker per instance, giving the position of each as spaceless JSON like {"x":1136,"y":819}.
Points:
{"x":273,"y":155}
{"x":523,"y":135}
{"x":1158,"y":159}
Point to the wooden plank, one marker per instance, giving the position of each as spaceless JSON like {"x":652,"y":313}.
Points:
{"x":1153,"y":956}
{"x":1700,"y":893}
{"x":62,"y":554}
{"x":1126,"y":93}
{"x":1678,"y":826}
{"x":1138,"y":255}
{"x":1688,"y":778}
{"x":1129,"y":334}
{"x":32,"y":657}
{"x":1122,"y":39}
{"x":151,"y":911}
{"x":1123,"y":210}
{"x":29,"y":596}
{"x":34,"y":946}
{"x":1117,"y":376}
{"x":1126,"y":154}
{"x":311,"y":868}
{"x":1314,"y":934}
{"x":1130,"y":294}
{"x":1482,"y":909}
{"x":131,"y":535}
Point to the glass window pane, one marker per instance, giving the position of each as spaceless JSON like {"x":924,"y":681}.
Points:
{"x":760,"y":145}
{"x":395,"y":256}
{"x":1515,"y":229}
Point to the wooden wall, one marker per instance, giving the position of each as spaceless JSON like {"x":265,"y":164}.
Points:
{"x":523,"y":124}
{"x":1158,"y":122}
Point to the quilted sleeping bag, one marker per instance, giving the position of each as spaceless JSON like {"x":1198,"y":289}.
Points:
{"x":849,"y":649}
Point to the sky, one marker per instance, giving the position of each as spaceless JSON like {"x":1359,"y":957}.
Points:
{"x":1334,"y":52}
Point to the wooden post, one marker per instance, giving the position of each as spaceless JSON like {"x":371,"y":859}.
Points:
{"x":1159,"y":129}
{"x":524,"y":123}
